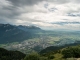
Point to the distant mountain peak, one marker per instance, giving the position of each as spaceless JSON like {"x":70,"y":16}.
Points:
{"x":29,"y":27}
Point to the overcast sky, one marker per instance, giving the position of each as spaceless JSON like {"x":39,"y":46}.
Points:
{"x":47,"y":14}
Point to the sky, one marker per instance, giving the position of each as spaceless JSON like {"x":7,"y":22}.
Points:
{"x":47,"y":14}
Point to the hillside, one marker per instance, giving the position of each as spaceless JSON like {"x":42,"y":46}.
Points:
{"x":10,"y":33}
{"x":67,"y":53}
{"x":11,"y":55}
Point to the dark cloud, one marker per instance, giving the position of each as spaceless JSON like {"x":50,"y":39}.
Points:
{"x":24,"y":2}
{"x":59,"y":1}
{"x":32,"y":2}
{"x":63,"y":1}
{"x":76,"y":1}
{"x":12,"y":11}
{"x":9,"y":13}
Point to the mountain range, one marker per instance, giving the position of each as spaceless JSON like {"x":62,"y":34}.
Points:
{"x":11,"y":33}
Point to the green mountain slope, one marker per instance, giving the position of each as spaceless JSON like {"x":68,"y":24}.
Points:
{"x":66,"y":53}
{"x":10,"y":55}
{"x":10,"y":33}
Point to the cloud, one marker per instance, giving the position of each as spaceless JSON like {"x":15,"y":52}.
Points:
{"x":59,"y":1}
{"x":24,"y":2}
{"x":58,"y":14}
{"x":63,"y":1}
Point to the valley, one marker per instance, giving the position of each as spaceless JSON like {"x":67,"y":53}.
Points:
{"x":37,"y":39}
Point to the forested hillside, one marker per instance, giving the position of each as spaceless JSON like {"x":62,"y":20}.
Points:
{"x":11,"y":55}
{"x":68,"y":53}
